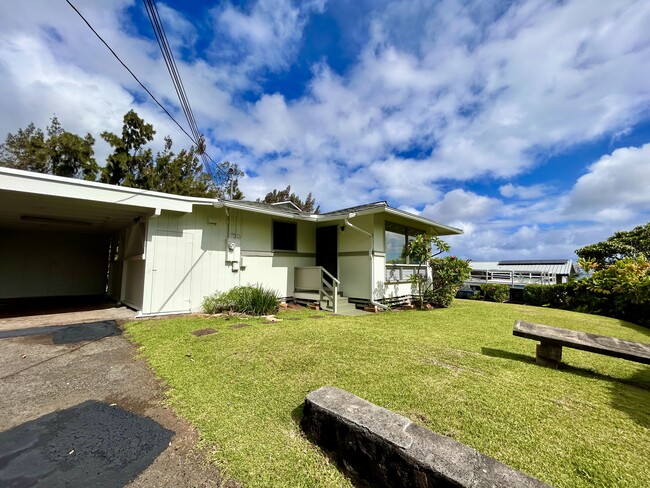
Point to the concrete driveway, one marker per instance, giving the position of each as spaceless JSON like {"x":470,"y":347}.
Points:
{"x":80,"y":409}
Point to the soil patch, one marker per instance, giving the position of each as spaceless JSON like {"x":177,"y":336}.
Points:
{"x":239,"y":326}
{"x":203,"y":332}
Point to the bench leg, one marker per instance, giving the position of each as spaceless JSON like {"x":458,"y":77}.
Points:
{"x":548,"y":354}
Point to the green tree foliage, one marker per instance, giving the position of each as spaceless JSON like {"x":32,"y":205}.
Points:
{"x":447,"y":274}
{"x":631,"y":243}
{"x":133,"y":164}
{"x":130,"y":164}
{"x":226,"y":179}
{"x":61,"y":153}
{"x":276,"y":196}
{"x":180,"y":174}
{"x":495,"y":292}
{"x":616,"y":286}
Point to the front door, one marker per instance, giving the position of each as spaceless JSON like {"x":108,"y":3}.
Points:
{"x":327,"y":248}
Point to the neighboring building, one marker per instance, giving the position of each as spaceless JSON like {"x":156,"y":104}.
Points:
{"x":518,"y":273}
{"x":161,"y":253}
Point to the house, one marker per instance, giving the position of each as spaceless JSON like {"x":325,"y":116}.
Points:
{"x":161,"y":253}
{"x":518,"y":273}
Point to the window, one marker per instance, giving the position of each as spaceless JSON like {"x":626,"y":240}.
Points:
{"x":396,"y":238}
{"x":284,"y":236}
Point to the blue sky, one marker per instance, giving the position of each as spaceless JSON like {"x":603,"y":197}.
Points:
{"x":525,"y":123}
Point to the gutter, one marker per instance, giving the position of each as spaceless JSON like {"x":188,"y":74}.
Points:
{"x":372,"y":264}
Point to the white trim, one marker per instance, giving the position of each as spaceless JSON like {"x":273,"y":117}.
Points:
{"x":59,"y":186}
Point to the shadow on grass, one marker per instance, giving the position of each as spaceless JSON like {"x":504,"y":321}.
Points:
{"x":632,"y":397}
{"x":499,"y":353}
{"x":628,"y":395}
{"x":296,"y":414}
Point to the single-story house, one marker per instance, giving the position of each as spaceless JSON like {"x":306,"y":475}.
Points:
{"x":161,"y":253}
{"x":518,"y":273}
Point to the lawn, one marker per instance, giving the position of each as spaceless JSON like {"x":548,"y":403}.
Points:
{"x":457,"y":371}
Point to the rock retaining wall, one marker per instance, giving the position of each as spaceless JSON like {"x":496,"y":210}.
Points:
{"x":377,"y":447}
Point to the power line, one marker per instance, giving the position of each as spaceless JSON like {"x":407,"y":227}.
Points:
{"x":172,"y":68}
{"x":195,"y":142}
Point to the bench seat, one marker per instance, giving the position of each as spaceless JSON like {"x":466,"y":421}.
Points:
{"x":552,"y":339}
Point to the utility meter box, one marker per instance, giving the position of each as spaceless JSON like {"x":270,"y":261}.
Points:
{"x":233,"y":250}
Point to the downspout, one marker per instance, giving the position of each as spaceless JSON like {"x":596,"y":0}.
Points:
{"x":372,"y":264}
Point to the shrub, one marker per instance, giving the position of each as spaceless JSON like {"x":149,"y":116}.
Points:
{"x":447,"y":276}
{"x":495,"y":292}
{"x":252,"y":300}
{"x":556,"y":296}
{"x":622,"y":289}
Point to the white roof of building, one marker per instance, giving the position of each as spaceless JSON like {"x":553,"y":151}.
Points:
{"x":550,"y":266}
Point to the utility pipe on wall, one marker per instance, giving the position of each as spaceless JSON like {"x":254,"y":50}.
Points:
{"x":372,"y":264}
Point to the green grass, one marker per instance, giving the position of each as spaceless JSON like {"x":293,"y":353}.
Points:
{"x":458,"y":371}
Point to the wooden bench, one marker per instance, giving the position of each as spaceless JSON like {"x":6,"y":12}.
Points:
{"x":552,"y":339}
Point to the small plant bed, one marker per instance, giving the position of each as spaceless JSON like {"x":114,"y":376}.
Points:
{"x":458,"y":371}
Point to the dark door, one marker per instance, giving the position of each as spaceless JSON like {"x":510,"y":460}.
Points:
{"x":327,"y":248}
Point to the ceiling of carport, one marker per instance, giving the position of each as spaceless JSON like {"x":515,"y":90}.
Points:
{"x":33,"y":211}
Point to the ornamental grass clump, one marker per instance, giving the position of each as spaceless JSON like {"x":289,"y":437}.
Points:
{"x":251,"y":300}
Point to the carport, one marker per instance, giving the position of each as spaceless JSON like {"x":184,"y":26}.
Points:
{"x":67,"y":238}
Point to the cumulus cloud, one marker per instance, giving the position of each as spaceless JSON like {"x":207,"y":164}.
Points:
{"x":438,"y":94}
{"x":524,"y":192}
{"x":616,"y":187}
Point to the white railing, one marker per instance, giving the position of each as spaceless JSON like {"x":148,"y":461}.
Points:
{"x":402,"y":273}
{"x":317,"y":279}
{"x":511,"y":277}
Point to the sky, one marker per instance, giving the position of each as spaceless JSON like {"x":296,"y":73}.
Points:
{"x":524,"y":123}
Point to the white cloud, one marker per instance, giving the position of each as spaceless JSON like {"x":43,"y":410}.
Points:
{"x":267,"y":36}
{"x":616,"y":187}
{"x":524,"y":192}
{"x":453,"y":91}
{"x":465,"y":205}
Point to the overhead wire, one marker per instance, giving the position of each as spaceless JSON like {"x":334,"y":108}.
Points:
{"x":193,"y":127}
{"x":172,"y":68}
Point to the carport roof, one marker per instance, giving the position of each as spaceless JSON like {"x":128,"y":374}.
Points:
{"x":34,"y":200}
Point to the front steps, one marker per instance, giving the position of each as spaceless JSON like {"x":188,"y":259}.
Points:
{"x":344,"y":307}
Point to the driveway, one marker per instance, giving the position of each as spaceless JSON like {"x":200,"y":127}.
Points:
{"x":80,"y":409}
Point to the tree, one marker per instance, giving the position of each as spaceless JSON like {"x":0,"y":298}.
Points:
{"x":71,"y":155}
{"x":276,"y":196}
{"x":130,"y":164}
{"x":632,"y":243}
{"x":419,"y":250}
{"x":226,"y":180}
{"x":181,"y":174}
{"x":62,"y":153}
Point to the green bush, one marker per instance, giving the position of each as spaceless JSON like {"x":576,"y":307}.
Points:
{"x":620,"y":289}
{"x":556,"y":296}
{"x":251,"y":300}
{"x":495,"y":292}
{"x":447,"y":276}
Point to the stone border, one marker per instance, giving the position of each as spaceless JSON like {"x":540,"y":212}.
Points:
{"x":377,"y":447}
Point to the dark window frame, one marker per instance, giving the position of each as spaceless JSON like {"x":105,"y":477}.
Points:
{"x":276,"y":234}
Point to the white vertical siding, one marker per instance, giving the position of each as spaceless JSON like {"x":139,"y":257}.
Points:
{"x":186,"y":257}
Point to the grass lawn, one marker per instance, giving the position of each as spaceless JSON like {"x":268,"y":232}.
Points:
{"x":458,"y":371}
